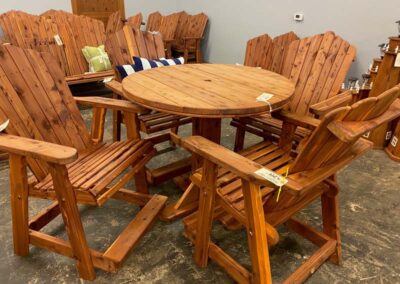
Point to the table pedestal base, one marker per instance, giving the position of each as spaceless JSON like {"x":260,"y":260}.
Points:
{"x":209,"y":128}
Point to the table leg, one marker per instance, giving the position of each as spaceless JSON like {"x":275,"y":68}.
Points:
{"x":209,"y":128}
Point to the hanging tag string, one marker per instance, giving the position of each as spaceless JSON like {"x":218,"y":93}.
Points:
{"x":280,"y":188}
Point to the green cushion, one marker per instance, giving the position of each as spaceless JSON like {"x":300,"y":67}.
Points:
{"x":97,"y":58}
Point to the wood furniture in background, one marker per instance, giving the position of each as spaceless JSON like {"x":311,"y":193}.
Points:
{"x":230,"y":185}
{"x":98,"y":9}
{"x":153,"y":22}
{"x":76,"y":32}
{"x":167,"y":28}
{"x":208,"y":93}
{"x":48,"y":134}
{"x":268,"y":53}
{"x":393,"y":148}
{"x":115,"y":23}
{"x":317,"y":66}
{"x":189,"y":35}
{"x":386,"y":77}
{"x":135,"y":21}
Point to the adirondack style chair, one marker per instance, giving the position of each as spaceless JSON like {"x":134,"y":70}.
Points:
{"x":48,"y":135}
{"x":317,"y":66}
{"x":135,"y":21}
{"x":191,"y":29}
{"x":121,"y":47}
{"x":76,"y":32}
{"x":268,"y":53}
{"x":153,"y":22}
{"x":230,"y":184}
{"x":115,"y":23}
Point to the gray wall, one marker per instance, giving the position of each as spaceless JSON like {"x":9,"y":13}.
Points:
{"x":364,"y":23}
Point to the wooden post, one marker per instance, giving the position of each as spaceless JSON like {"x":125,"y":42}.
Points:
{"x":256,"y":233}
{"x":97,"y":132}
{"x":72,"y":221}
{"x":205,"y":213}
{"x":330,"y":219}
{"x":239,"y":138}
{"x":19,"y":204}
{"x":132,"y":125}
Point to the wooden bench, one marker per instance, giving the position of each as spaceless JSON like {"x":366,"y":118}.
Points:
{"x":76,"y":32}
{"x":317,"y":84}
{"x":189,"y":35}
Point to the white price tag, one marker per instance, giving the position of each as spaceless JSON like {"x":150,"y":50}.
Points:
{"x":394,"y":141}
{"x":108,"y":79}
{"x":265,"y":97}
{"x":366,"y":135}
{"x":271,"y":176}
{"x":58,"y":40}
{"x":388,"y":135}
{"x":397,"y":62}
{"x":4,"y":125}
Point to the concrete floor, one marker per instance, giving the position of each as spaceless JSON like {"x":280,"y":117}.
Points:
{"x":370,"y":211}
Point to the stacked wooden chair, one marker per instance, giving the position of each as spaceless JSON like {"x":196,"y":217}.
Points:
{"x":153,"y":22}
{"x":48,"y":135}
{"x":234,"y":184}
{"x":317,"y":66}
{"x":135,"y":21}
{"x":121,"y":47}
{"x":189,"y":35}
{"x":115,"y":23}
{"x":268,"y":53}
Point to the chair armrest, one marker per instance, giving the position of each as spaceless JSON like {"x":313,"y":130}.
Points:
{"x":296,"y":119}
{"x":322,"y":108}
{"x":121,"y":105}
{"x":36,"y":149}
{"x":225,"y":158}
{"x":115,"y":87}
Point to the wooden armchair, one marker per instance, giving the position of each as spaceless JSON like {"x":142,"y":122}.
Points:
{"x":191,"y":31}
{"x":167,"y":29}
{"x":121,"y":46}
{"x":317,"y":65}
{"x":232,"y":187}
{"x":48,"y":135}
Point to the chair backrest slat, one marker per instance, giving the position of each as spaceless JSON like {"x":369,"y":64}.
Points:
{"x":114,"y":23}
{"x":168,"y":26}
{"x":196,"y":26}
{"x":37,"y":100}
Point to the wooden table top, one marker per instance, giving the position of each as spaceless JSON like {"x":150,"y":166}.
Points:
{"x":208,"y":90}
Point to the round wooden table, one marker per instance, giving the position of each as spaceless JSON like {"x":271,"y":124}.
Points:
{"x":208,"y":93}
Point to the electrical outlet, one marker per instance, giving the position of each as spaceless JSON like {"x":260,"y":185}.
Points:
{"x":298,"y":17}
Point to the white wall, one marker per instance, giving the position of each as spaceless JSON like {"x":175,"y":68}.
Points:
{"x":35,"y":6}
{"x":364,"y":23}
{"x":132,"y":7}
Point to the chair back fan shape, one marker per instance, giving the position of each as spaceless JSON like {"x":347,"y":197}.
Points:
{"x":38,"y":102}
{"x":153,"y":22}
{"x":114,"y":23}
{"x":135,"y":21}
{"x":317,"y":66}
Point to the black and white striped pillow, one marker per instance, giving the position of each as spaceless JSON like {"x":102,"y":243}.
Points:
{"x":141,"y":64}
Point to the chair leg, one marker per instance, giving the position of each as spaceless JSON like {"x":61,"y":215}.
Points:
{"x":330,"y":220}
{"x":19,"y":204}
{"x":206,"y":213}
{"x":186,"y":55}
{"x":141,"y":182}
{"x":72,"y":221}
{"x":239,"y":139}
{"x":256,"y":233}
{"x":117,"y":121}
{"x":199,"y":56}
